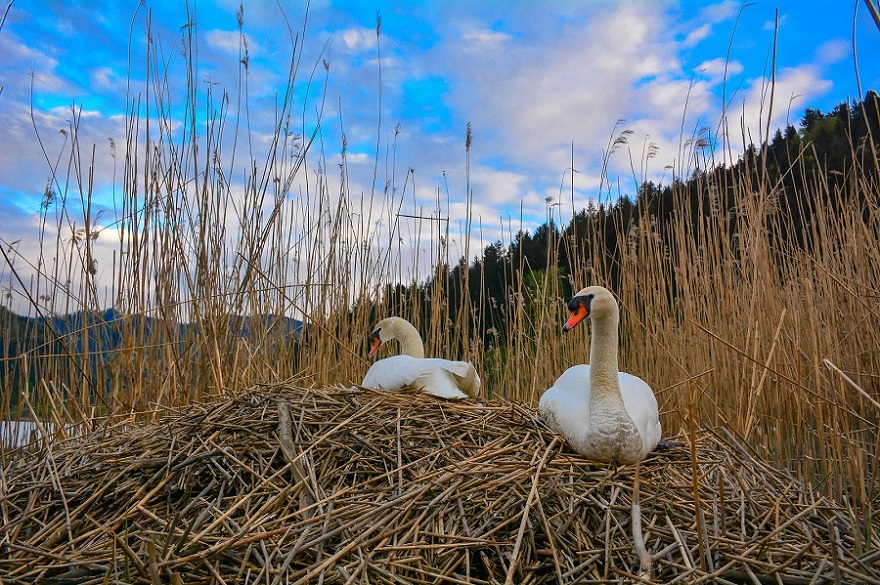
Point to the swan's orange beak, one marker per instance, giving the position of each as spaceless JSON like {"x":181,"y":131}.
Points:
{"x":577,"y":315}
{"x":375,"y":342}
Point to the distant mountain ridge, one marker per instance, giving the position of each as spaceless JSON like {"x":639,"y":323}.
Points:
{"x":99,"y":335}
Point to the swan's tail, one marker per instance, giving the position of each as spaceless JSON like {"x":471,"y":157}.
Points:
{"x":664,"y":446}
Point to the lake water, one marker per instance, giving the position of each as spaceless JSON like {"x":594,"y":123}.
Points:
{"x":19,"y":433}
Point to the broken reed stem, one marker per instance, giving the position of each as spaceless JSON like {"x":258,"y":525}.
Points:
{"x":695,"y":477}
{"x":307,"y":495}
{"x":849,"y":380}
{"x":638,"y":538}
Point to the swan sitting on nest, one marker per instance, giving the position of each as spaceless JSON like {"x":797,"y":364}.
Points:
{"x":411,"y":369}
{"x":604,"y":414}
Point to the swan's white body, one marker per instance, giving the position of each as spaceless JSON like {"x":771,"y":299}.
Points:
{"x":436,"y":376}
{"x":603,"y":414}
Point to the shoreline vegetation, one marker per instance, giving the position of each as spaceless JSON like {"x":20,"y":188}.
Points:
{"x":748,"y":290}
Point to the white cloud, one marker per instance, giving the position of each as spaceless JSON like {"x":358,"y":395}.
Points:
{"x":107,"y":79}
{"x":47,"y":82}
{"x":66,"y":114}
{"x":21,"y":229}
{"x":358,"y":158}
{"x":795,"y":88}
{"x":16,"y":51}
{"x":358,"y":39}
{"x":833,"y":51}
{"x":485,"y":40}
{"x":720,"y":12}
{"x":21,"y":64}
{"x":498,"y":187}
{"x":571,"y":88}
{"x":771,"y":24}
{"x":673,"y":95}
{"x":714,"y":69}
{"x":26,"y":167}
{"x":228,"y":41}
{"x":695,"y":36}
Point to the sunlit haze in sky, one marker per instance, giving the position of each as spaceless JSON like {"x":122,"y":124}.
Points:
{"x":544,"y":86}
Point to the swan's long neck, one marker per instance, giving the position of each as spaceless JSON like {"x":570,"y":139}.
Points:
{"x":614,"y":435}
{"x":604,"y":383}
{"x":410,"y":340}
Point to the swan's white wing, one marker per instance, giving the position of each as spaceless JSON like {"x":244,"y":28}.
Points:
{"x":464,"y":375}
{"x":431,"y":375}
{"x":565,"y":406}
{"x":439,"y":382}
{"x":641,"y":405}
{"x":392,"y":373}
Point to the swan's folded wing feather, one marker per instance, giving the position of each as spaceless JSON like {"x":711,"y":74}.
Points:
{"x":563,"y":406}
{"x":466,"y":378}
{"x":435,"y":376}
{"x":641,"y":405}
{"x":438,"y":381}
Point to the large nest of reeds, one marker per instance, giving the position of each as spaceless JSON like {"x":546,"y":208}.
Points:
{"x":290,"y":485}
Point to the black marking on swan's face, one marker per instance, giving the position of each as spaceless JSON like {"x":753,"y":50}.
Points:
{"x":583,"y":300}
{"x":374,"y":341}
{"x":579,"y":307}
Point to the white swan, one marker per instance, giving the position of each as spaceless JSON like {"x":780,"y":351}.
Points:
{"x":411,"y":369}
{"x":605,"y":414}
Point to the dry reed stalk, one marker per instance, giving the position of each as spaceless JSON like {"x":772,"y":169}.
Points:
{"x":401,"y":487}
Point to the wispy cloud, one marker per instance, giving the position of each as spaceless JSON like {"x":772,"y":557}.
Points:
{"x":539,"y":84}
{"x":484,"y":40}
{"x":715,"y":69}
{"x":833,"y":51}
{"x":228,"y":41}
{"x":358,"y":40}
{"x":794,"y":88}
{"x":698,"y":34}
{"x":721,"y":11}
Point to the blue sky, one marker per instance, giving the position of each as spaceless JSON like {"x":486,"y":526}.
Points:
{"x":537,"y":81}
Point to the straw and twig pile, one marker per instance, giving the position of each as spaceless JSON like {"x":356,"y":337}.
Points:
{"x":289,"y":485}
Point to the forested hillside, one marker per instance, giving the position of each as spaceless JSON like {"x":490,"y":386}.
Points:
{"x":818,"y":155}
